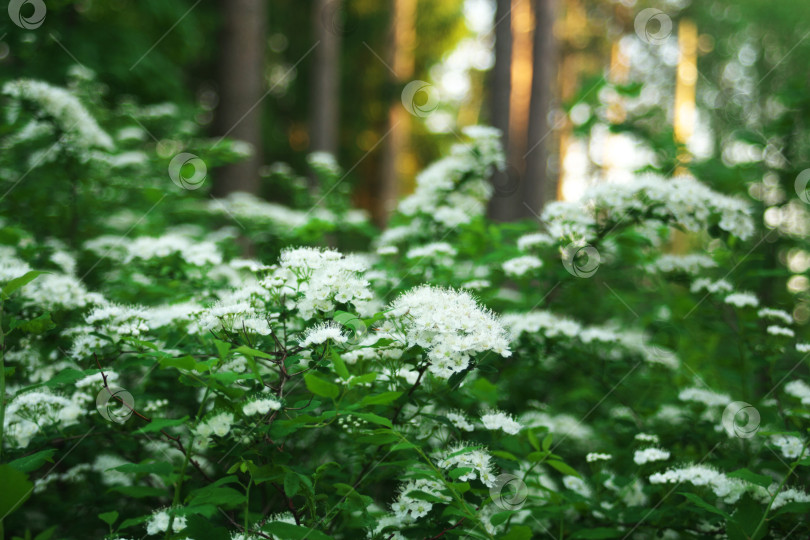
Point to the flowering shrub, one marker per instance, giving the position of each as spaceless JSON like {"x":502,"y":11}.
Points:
{"x":588,"y":376}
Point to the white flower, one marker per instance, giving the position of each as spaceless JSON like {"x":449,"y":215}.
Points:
{"x":521,"y":265}
{"x":70,"y":115}
{"x":707,"y":397}
{"x":742,"y":299}
{"x":691,"y":263}
{"x":775,"y":330}
{"x":534,"y":239}
{"x":435,"y":250}
{"x":499,"y":420}
{"x":790,"y":446}
{"x":768,"y":313}
{"x":322,"y":333}
{"x":729,"y":489}
{"x":450,"y":325}
{"x":463,"y":455}
{"x":803,"y":347}
{"x":261,"y":406}
{"x":594,"y":456}
{"x":640,"y":457}
{"x":220,"y":424}
{"x":158,"y":523}
{"x":646,"y":437}
{"x":799,"y":389}
{"x":460,"y":421}
{"x":577,"y":485}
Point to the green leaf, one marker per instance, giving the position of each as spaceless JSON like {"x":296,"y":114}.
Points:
{"x":160,"y":423}
{"x":109,"y":517}
{"x":697,"y":501}
{"x":200,"y":528}
{"x":598,"y":532}
{"x":39,"y":325}
{"x":134,"y":521}
{"x":286,"y":531}
{"x":160,"y":468}
{"x":291,"y":484}
{"x":320,"y":387}
{"x":18,"y":282}
{"x":504,"y":455}
{"x":46,"y":534}
{"x":362,"y":379}
{"x":758,"y":479}
{"x":374,"y":419}
{"x":34,"y":461}
{"x":563,"y":468}
{"x":547,"y":442}
{"x":16,"y":488}
{"x":460,"y":471}
{"x":216,"y":496}
{"x":500,"y":517}
{"x":518,"y":532}
{"x":380,"y":399}
{"x":533,"y":439}
{"x":184,"y":362}
{"x":222,"y":348}
{"x":340,"y":365}
{"x":66,"y":376}
{"x":139,"y":492}
{"x":247,"y":351}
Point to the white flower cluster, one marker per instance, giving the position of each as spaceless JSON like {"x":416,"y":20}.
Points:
{"x":218,"y":424}
{"x":776,"y":330}
{"x":407,"y":509}
{"x":281,"y":219}
{"x":159,"y":522}
{"x":450,"y":325}
{"x":800,"y":390}
{"x":440,"y":251}
{"x":323,"y":333}
{"x":117,"y":320}
{"x":725,"y":487}
{"x":455,"y":189}
{"x":706,"y":397}
{"x":520,"y":266}
{"x":465,"y":456}
{"x":544,"y":324}
{"x":712,"y":287}
{"x":742,"y":299}
{"x":324,"y":162}
{"x":564,"y":425}
{"x":69,"y":114}
{"x":790,"y":445}
{"x":30,"y":413}
{"x":460,"y":421}
{"x":692,"y":263}
{"x":261,"y":405}
{"x":145,"y":248}
{"x":593,"y":457}
{"x":315,"y":280}
{"x":648,"y":455}
{"x":769,"y":313}
{"x":51,"y":290}
{"x":496,"y":420}
{"x":528,"y":241}
{"x":682,"y":200}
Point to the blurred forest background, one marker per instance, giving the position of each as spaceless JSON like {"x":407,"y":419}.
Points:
{"x":584,"y":91}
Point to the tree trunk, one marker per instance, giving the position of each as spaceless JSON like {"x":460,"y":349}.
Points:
{"x":540,"y":186}
{"x":241,"y":87}
{"x":504,"y":188}
{"x":325,"y":85}
{"x":401,"y":60}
